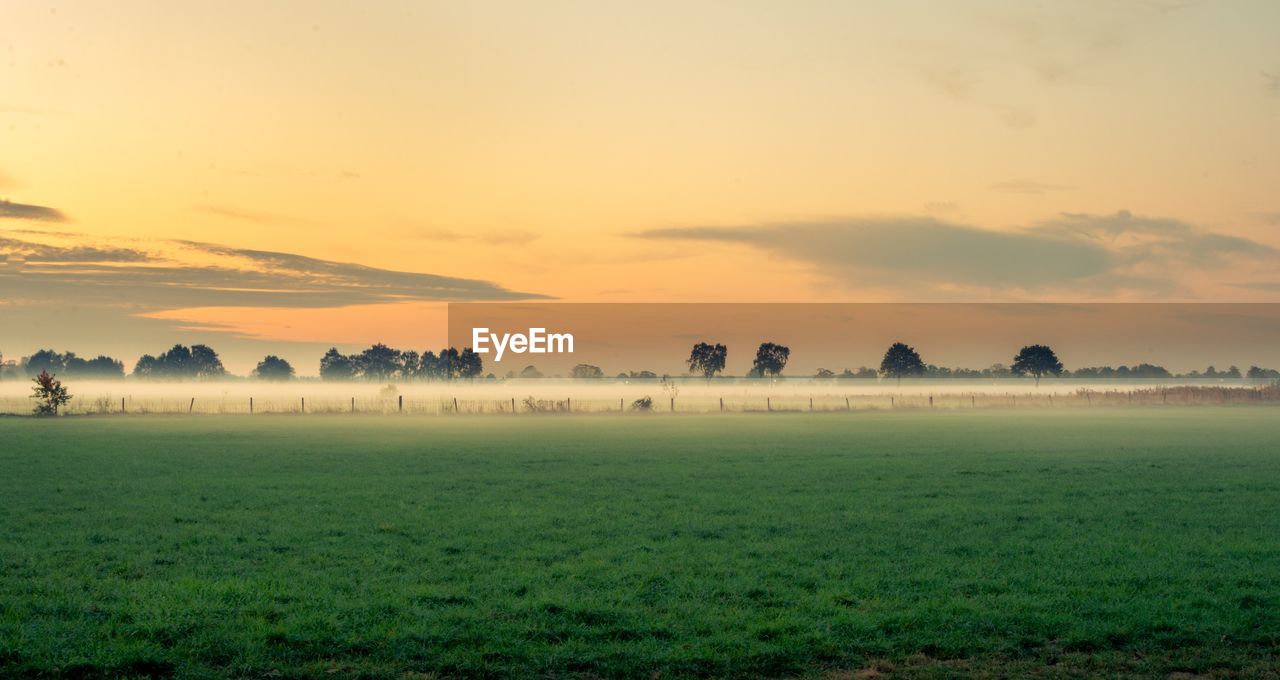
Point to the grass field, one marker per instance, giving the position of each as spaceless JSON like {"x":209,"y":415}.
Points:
{"x":1142,"y":542}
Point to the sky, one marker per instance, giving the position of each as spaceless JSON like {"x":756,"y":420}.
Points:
{"x":260,"y":175}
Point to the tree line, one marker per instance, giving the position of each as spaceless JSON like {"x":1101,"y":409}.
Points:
{"x":903,"y":361}
{"x":201,"y":362}
{"x":382,"y":363}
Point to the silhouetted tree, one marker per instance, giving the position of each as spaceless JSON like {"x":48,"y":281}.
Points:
{"x":335,"y":365}
{"x":586,"y":372}
{"x":1151,"y":371}
{"x":379,"y":362}
{"x":470,"y":365}
{"x":707,"y":359}
{"x":901,"y":361}
{"x":1036,"y":361}
{"x":863,"y":373}
{"x":770,"y":359}
{"x":179,"y":363}
{"x":638,"y":375}
{"x":824,"y":374}
{"x":43,"y":361}
{"x":205,"y":363}
{"x":50,"y":393}
{"x":8,"y":369}
{"x":1259,"y":373}
{"x":410,"y":365}
{"x":530,"y":371}
{"x":146,"y":367}
{"x":997,"y":371}
{"x":429,"y":366}
{"x":175,"y":363}
{"x":102,"y":367}
{"x":273,"y":367}
{"x":449,"y":364}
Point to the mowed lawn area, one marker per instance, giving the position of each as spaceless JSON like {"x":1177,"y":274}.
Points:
{"x":1141,"y":542}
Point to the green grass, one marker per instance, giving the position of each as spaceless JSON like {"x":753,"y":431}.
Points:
{"x":1106,"y":542}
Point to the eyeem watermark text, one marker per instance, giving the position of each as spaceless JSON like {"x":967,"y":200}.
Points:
{"x":536,"y":341}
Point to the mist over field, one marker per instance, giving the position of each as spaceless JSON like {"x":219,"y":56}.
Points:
{"x":690,"y":395}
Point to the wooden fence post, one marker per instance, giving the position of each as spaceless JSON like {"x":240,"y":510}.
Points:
{"x":192,"y":405}
{"x":846,"y":404}
{"x":722,"y":404}
{"x":810,"y":404}
{"x":304,"y":404}
{"x":122,"y":404}
{"x":400,"y":404}
{"x":768,"y":403}
{"x":455,"y":405}
{"x":930,"y":401}
{"x":250,"y":405}
{"x":513,"y":405}
{"x":353,"y":404}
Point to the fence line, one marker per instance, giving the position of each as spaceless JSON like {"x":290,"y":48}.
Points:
{"x":445,"y":405}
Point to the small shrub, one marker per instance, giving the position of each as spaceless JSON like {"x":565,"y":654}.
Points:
{"x":545,"y":405}
{"x":50,"y":393}
{"x":642,"y":404}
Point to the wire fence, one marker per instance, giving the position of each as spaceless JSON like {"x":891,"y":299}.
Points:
{"x":465,"y":403}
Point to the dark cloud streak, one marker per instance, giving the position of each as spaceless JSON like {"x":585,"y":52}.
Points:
{"x":21,"y":211}
{"x":1074,"y":251}
{"x":80,"y":273}
{"x":917,"y":249}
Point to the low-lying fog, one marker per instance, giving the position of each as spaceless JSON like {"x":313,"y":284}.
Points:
{"x":233,"y":396}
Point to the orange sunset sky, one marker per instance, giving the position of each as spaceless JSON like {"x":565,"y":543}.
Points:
{"x":289,"y":176}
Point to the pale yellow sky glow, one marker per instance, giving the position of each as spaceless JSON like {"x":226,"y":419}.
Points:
{"x":655,"y":151}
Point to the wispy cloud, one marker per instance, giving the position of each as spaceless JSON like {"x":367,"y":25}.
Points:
{"x":1272,"y":82}
{"x":1055,"y":44}
{"x":1139,"y":240}
{"x":962,"y":84}
{"x":919,"y":249}
{"x":492,"y":237}
{"x":1058,"y":41}
{"x":1072,"y":252}
{"x":22,"y":211}
{"x":14,"y":250}
{"x":243,"y":215}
